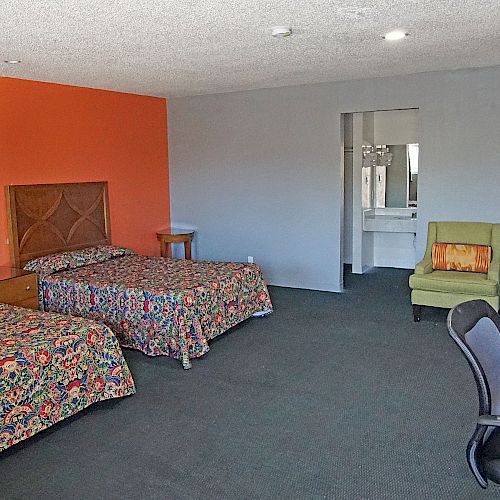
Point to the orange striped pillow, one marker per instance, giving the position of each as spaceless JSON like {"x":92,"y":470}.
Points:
{"x":456,"y":257}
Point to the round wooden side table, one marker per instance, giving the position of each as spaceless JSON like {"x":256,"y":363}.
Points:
{"x":174,"y":235}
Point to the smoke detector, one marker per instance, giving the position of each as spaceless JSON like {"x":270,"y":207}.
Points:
{"x":281,"y":31}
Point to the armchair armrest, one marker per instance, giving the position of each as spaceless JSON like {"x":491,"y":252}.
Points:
{"x":424,"y":266}
{"x":494,"y":271}
{"x":490,"y":420}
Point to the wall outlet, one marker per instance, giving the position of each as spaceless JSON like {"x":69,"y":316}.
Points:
{"x":250,"y":259}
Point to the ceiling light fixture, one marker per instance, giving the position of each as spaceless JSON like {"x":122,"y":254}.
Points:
{"x":12,"y":61}
{"x":395,"y":35}
{"x":282,"y":31}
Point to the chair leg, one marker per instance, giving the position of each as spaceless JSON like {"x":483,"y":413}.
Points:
{"x":416,"y":312}
{"x":474,"y":452}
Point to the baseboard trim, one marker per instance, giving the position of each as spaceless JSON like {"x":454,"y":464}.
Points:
{"x":321,"y":287}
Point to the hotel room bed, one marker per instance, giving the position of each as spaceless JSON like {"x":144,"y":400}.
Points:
{"x":157,"y":305}
{"x":53,"y":366}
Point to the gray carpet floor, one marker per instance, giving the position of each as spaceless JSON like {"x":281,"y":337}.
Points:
{"x":332,"y":396}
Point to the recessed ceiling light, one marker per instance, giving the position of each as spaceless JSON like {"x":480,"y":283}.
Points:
{"x":12,"y":61}
{"x":281,"y":31}
{"x":395,"y":35}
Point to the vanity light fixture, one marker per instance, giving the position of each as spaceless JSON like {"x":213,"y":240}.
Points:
{"x":12,"y":61}
{"x":395,"y":35}
{"x":281,"y":31}
{"x":376,"y":156}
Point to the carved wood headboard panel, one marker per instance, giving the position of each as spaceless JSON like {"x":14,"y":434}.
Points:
{"x":50,"y":218}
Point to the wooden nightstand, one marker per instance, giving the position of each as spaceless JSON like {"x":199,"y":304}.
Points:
{"x":18,"y":287}
{"x":175,"y":235}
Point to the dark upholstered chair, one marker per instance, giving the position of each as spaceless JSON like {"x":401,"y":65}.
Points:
{"x":475,"y":327}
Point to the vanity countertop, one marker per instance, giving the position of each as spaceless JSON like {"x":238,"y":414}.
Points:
{"x":390,"y":220}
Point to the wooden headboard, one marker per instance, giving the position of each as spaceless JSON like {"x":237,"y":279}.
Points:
{"x":50,"y":218}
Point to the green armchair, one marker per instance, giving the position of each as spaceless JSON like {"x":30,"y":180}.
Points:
{"x":450,"y":288}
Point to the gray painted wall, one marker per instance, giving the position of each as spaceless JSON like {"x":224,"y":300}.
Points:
{"x":259,"y":172}
{"x":255,"y":173}
{"x":396,"y":127}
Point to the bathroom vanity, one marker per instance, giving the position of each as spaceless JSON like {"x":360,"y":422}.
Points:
{"x":394,"y":231}
{"x":390,"y":220}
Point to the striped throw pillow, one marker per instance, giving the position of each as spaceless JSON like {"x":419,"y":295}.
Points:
{"x":458,"y":257}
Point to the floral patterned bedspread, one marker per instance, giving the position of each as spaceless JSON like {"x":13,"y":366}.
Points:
{"x":160,"y":306}
{"x":53,"y":366}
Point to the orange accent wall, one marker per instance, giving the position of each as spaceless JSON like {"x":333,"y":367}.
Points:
{"x":59,"y":133}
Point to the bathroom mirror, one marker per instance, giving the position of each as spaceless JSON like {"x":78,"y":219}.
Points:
{"x":395,"y":178}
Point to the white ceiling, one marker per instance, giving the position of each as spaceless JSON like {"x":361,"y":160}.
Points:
{"x":185,"y":47}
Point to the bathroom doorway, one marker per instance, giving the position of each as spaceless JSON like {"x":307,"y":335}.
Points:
{"x":380,"y":160}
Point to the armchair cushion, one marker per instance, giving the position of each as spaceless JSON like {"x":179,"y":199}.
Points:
{"x":455,"y":282}
{"x":458,"y":257}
